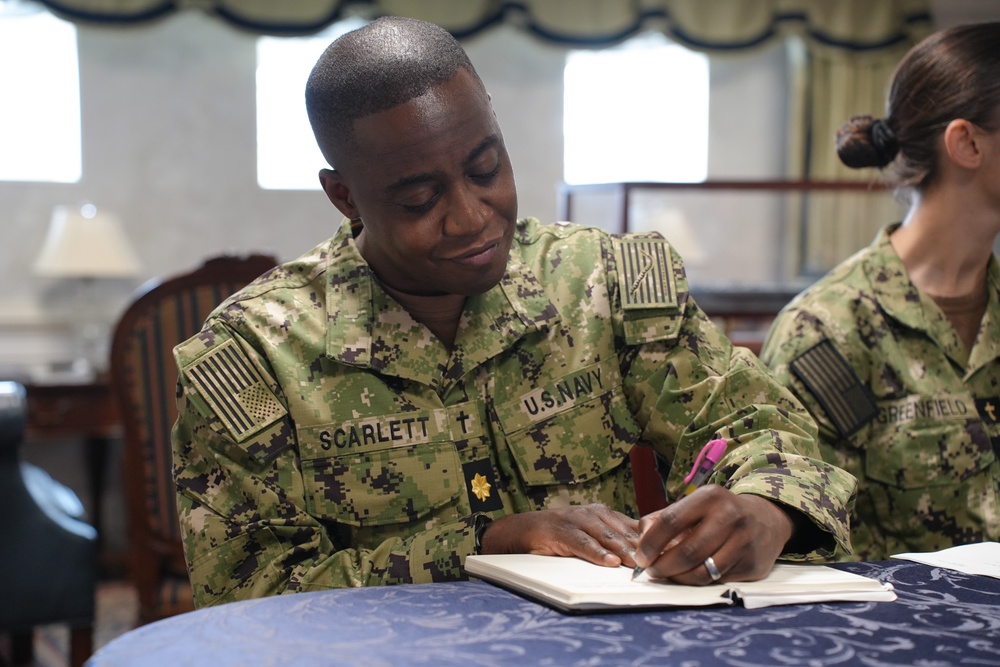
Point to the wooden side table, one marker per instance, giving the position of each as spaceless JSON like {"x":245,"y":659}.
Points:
{"x":84,"y":410}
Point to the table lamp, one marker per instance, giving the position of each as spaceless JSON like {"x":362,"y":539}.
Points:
{"x":84,"y":244}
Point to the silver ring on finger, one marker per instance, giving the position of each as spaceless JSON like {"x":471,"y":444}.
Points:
{"x":713,"y":571}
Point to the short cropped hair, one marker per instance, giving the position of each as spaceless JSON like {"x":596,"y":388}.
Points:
{"x":388,"y":62}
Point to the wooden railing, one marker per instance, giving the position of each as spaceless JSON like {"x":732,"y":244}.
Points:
{"x":743,"y":312}
{"x":626,"y":189}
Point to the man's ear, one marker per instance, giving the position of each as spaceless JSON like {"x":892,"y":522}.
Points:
{"x":338,"y":193}
{"x":962,"y":143}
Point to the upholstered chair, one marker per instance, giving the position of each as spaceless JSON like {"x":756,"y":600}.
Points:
{"x":48,"y":553}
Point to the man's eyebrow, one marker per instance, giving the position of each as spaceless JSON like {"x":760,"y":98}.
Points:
{"x":492,"y":140}
{"x":410,"y":180}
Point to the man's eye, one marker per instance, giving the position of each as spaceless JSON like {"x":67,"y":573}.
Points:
{"x":420,"y":202}
{"x":487,"y":176}
{"x":420,"y":208}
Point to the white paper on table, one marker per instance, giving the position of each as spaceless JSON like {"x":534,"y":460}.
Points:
{"x":981,"y":558}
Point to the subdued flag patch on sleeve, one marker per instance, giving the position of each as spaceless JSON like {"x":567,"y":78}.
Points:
{"x":836,"y":386}
{"x":646,"y":273}
{"x":234,"y":388}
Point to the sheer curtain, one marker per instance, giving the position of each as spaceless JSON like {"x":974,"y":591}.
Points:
{"x":709,"y":24}
{"x":838,"y":86}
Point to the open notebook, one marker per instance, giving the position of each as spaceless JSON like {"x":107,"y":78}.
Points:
{"x":572,"y":584}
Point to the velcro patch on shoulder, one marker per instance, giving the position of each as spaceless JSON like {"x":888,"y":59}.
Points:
{"x":646,"y":273}
{"x":234,"y":388}
{"x":836,"y":386}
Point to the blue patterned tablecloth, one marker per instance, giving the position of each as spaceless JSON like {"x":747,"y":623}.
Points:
{"x":941,"y":618}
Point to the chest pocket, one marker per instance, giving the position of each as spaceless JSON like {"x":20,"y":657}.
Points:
{"x":389,"y":471}
{"x":574,"y":431}
{"x":388,"y":486}
{"x":927,"y":442}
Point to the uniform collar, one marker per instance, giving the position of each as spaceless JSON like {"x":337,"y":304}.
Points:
{"x":367,"y":328}
{"x":987,"y":347}
{"x":900,"y":299}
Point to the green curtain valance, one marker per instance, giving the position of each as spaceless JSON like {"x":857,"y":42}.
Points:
{"x":708,"y":25}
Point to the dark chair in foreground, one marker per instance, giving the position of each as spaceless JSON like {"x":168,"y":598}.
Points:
{"x":144,"y":379}
{"x":48,"y":555}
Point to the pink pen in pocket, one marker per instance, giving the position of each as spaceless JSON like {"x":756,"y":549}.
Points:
{"x":709,"y":455}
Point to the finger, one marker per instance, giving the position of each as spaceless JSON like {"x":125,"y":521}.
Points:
{"x":683,"y":561}
{"x":726,"y":560}
{"x":625,"y":528}
{"x":668,"y":528}
{"x":623,"y":524}
{"x":594,"y":533}
{"x":614,"y":532}
{"x":621,"y":540}
{"x":737,"y":534}
{"x":585,"y":546}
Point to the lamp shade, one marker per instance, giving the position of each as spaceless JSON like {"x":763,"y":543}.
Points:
{"x":86,"y":243}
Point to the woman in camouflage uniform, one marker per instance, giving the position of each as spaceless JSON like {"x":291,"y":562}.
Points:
{"x":896,"y":352}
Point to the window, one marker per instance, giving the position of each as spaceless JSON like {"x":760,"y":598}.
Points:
{"x":287,"y":155}
{"x":638,"y":112}
{"x":40,"y":83}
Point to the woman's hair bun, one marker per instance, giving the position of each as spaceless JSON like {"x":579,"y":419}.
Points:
{"x":864,"y":141}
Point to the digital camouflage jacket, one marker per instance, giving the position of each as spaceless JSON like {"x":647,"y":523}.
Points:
{"x":326,"y":439}
{"x":900,"y":402}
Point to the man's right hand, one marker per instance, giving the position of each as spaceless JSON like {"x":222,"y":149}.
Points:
{"x":593,"y":533}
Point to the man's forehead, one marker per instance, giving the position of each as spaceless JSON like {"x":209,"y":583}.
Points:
{"x":453,"y":119}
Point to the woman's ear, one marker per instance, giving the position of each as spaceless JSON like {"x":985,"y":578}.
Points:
{"x":963,"y":143}
{"x":338,"y":193}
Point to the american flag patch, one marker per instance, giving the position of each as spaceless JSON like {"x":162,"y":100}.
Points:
{"x":234,"y":388}
{"x":647,"y":274}
{"x":836,"y":386}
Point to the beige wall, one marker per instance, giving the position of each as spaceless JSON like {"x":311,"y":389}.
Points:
{"x":168,"y":142}
{"x":168,"y":126}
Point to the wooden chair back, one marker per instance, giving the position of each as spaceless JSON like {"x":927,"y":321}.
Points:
{"x":143,"y":375}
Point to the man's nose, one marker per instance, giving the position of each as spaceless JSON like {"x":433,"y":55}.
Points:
{"x":467,"y":213}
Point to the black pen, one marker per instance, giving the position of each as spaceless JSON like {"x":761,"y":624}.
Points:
{"x":709,"y":455}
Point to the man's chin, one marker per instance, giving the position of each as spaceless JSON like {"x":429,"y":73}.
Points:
{"x":483,"y":283}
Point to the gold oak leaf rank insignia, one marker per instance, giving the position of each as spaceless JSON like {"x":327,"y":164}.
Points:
{"x":481,"y":486}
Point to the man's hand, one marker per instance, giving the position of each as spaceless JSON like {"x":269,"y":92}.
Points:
{"x":743,"y":534}
{"x":591,"y":532}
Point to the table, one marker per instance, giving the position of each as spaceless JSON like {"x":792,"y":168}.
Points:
{"x":941,"y":618}
{"x":85,"y":410}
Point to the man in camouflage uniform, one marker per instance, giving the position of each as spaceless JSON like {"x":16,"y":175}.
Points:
{"x":901,"y":402}
{"x":358,"y":416}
